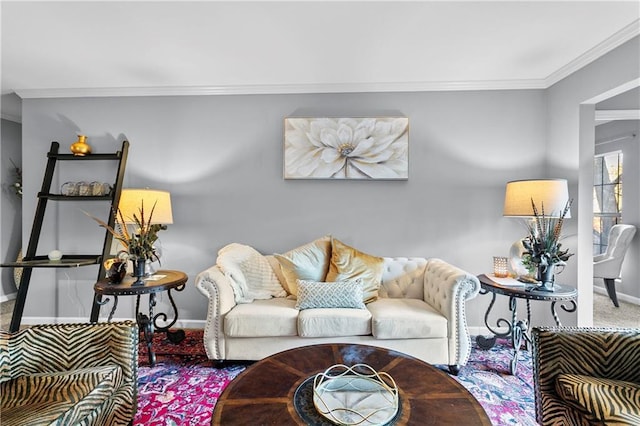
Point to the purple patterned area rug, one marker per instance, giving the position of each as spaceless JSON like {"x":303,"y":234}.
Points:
{"x":507,"y":399}
{"x":183,"y":387}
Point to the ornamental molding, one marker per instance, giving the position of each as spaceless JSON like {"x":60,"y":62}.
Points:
{"x":622,"y":36}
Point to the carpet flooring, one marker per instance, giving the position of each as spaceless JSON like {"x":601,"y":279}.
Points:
{"x":605,"y":314}
{"x":183,"y":387}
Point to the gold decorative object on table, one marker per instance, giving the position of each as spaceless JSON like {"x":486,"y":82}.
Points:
{"x":80,"y":147}
{"x":356,"y":395}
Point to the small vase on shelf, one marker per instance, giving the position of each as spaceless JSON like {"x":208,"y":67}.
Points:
{"x":80,"y":147}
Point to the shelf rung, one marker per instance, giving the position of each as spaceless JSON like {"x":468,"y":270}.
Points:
{"x":66,"y":262}
{"x":88,"y":157}
{"x":60,"y":197}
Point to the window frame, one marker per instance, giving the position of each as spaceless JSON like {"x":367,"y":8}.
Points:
{"x":604,"y":220}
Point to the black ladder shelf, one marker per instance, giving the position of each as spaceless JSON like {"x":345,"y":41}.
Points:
{"x":32,"y":260}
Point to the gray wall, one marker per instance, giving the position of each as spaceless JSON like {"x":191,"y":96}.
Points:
{"x":570,"y":145}
{"x":11,"y":206}
{"x":221,"y":159}
{"x":630,"y":147}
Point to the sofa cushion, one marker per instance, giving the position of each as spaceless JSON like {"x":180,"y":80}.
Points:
{"x":347,"y":263}
{"x":607,"y":401}
{"x":343,"y":294}
{"x":61,"y":397}
{"x":405,"y":319}
{"x":307,"y":262}
{"x":262,"y":318}
{"x":249,"y":272}
{"x":334,"y":322}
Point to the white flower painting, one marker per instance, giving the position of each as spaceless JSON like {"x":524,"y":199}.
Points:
{"x":346,"y":148}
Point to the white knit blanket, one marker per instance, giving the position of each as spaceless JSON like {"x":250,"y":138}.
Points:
{"x":250,"y":273}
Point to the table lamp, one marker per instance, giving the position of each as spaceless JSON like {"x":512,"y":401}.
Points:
{"x":131,"y":202}
{"x":553,"y":194}
{"x":550,"y":194}
{"x":131,"y":199}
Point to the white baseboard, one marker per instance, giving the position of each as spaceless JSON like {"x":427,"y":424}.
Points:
{"x":200,"y":324}
{"x":7,"y":297}
{"x":621,"y":296}
{"x":479,"y":331}
{"x":185,"y":324}
{"x":75,"y":320}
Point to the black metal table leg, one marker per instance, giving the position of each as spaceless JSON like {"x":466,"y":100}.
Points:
{"x":556,"y":318}
{"x":146,"y":325}
{"x":487,"y":343}
{"x":173,"y":336}
{"x":519,"y":331}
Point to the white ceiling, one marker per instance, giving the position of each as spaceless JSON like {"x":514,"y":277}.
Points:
{"x":139,"y":47}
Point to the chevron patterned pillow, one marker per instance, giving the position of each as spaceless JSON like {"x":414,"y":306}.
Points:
{"x":609,"y":401}
{"x":341,"y":294}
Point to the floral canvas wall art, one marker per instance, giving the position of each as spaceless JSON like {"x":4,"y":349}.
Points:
{"x":346,"y":148}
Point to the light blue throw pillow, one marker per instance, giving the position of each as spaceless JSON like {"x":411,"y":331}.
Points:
{"x":341,"y":294}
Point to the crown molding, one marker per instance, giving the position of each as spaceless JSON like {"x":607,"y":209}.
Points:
{"x":622,"y":36}
{"x":617,"y":114}
{"x":627,"y":33}
{"x":270,"y":89}
{"x":11,"y":117}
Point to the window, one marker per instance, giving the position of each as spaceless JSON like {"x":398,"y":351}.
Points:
{"x":607,"y":197}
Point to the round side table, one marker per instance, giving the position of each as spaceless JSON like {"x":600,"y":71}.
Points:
{"x":519,"y":329}
{"x":163,"y":280}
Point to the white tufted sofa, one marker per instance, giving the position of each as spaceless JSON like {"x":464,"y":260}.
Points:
{"x":420,"y":311}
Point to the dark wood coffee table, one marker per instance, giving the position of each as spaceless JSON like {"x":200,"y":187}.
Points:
{"x":264,"y":393}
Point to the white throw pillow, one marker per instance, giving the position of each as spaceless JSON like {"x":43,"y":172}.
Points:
{"x":250,"y":273}
{"x":307,"y":262}
{"x":342,"y":294}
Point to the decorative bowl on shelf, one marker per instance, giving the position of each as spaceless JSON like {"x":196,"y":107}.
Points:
{"x":356,"y":395}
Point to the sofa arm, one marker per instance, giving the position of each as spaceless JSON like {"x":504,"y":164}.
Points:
{"x":447,"y":288}
{"x":217,"y":287}
{"x":607,"y":268}
{"x":607,"y":353}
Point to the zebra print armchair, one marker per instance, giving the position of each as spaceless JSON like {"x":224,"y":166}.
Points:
{"x":585,"y":376}
{"x":69,"y":374}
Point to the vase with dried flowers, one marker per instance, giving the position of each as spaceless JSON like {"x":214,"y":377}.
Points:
{"x":543,"y":250}
{"x":138,"y":243}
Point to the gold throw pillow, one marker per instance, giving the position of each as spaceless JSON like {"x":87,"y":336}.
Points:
{"x":347,"y":263}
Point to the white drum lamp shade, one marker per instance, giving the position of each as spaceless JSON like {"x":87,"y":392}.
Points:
{"x":550,"y":194}
{"x":132,"y":200}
